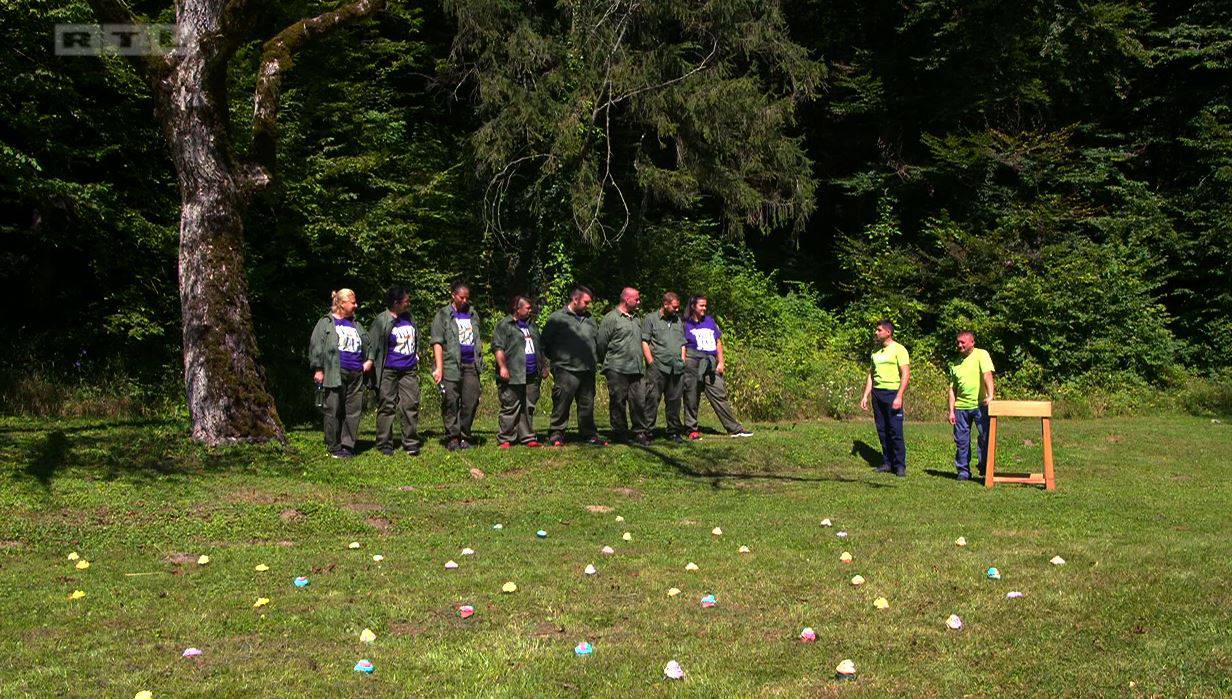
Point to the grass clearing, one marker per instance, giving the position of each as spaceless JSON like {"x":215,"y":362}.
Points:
{"x":1140,"y":516}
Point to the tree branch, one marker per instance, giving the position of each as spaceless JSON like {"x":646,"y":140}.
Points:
{"x":277,"y":57}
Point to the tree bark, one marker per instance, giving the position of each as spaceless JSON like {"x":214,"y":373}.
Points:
{"x":227,"y":398}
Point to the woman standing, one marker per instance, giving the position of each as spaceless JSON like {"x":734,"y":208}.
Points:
{"x":336,"y":353}
{"x":704,"y":368}
{"x":393,"y":346}
{"x":519,"y":369}
{"x":457,"y":358}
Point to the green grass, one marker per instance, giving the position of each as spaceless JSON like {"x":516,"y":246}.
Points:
{"x":1141,"y":516}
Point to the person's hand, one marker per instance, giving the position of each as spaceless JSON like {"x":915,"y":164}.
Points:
{"x":318,"y":376}
{"x":368,"y":366}
{"x":543,"y":372}
{"x":720,"y":368}
{"x":898,"y":403}
{"x":438,"y":375}
{"x":953,"y":418}
{"x":864,"y":403}
{"x":988,"y":399}
{"x":504,"y":373}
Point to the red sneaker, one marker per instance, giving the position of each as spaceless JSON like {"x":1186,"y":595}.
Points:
{"x":695,"y":436}
{"x":533,"y":443}
{"x":505,"y":445}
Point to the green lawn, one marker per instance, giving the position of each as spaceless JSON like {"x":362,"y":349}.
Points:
{"x":1141,"y":608}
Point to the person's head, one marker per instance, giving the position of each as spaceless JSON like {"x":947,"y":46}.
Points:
{"x":342,"y":303}
{"x":521,"y":306}
{"x":671,"y":303}
{"x":460,"y":296}
{"x":698,"y":305}
{"x":884,"y":331}
{"x":397,"y":300}
{"x":965,"y":342}
{"x":579,"y":298}
{"x":630,"y":299}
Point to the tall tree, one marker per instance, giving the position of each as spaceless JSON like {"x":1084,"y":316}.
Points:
{"x":227,"y":396}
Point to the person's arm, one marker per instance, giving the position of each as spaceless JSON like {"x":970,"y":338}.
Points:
{"x":316,"y":358}
{"x":684,"y":353}
{"x":601,"y":339}
{"x":720,"y":367}
{"x":438,"y":362}
{"x":502,"y":367}
{"x":953,"y":418}
{"x":646,"y":353}
{"x":868,"y":391}
{"x":904,"y":373}
{"x":988,"y":387}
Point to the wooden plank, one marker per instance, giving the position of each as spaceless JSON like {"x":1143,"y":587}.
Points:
{"x":1050,"y":481}
{"x":992,"y":451}
{"x":1033,"y":479}
{"x":1020,"y":408}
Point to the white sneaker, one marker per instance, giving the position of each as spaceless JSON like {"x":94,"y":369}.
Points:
{"x":741,"y":434}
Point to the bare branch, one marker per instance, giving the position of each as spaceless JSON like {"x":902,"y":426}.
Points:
{"x":658,"y":86}
{"x":277,"y":57}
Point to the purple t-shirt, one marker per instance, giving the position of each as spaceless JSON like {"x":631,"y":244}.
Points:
{"x":350,"y":347}
{"x":466,"y":336}
{"x":402,"y":337}
{"x":532,"y":361}
{"x":702,"y":336}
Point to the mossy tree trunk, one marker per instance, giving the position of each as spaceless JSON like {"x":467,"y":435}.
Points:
{"x":226,"y":392}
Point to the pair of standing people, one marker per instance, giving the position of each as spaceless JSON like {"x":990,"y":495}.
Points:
{"x":970,"y":391}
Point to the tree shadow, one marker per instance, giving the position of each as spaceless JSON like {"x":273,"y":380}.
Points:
{"x":718,"y":476}
{"x":48,"y":457}
{"x":866,"y":452}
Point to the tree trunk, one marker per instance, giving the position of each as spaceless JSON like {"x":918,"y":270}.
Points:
{"x":227,"y":398}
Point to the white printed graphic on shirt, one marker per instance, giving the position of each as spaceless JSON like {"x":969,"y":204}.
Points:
{"x":466,"y":332}
{"x":404,"y":340}
{"x":348,"y":339}
{"x":530,"y":342}
{"x":705,"y":339}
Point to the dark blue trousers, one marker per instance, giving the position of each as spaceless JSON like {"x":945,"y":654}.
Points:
{"x":890,"y":429}
{"x":964,"y":420}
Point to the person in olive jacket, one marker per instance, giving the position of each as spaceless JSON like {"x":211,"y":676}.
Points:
{"x":457,"y":353}
{"x":569,"y":343}
{"x":662,"y":340}
{"x":393,"y":347}
{"x":336,"y":355}
{"x":519,"y":368}
{"x":619,"y":344}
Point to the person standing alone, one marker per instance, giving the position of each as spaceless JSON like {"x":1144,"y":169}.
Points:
{"x":971,"y":389}
{"x":887,"y":380}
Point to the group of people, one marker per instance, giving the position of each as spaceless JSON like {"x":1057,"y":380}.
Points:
{"x":662,"y":358}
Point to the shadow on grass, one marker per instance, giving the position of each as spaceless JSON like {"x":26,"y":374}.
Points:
{"x":717,"y":476}
{"x":143,"y":450}
{"x":865,"y":451}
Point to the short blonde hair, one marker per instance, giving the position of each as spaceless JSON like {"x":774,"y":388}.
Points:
{"x":337,"y":297}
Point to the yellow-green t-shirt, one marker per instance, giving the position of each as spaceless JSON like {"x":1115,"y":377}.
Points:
{"x":967,"y":378}
{"x":886,"y":362}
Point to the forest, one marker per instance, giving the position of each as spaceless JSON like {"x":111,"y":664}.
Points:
{"x":1055,"y":176}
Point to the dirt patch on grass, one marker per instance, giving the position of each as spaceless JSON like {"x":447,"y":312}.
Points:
{"x":250,"y":496}
{"x":406,"y":628}
{"x":477,"y":473}
{"x":599,"y":509}
{"x":548,"y":629}
{"x":633,"y":493}
{"x":1115,"y":439}
{"x":10,"y":544}
{"x":290,"y":515}
{"x":514,"y":473}
{"x":180,"y":559}
{"x":379,"y":523}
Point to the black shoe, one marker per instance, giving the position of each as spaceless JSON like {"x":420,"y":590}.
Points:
{"x":677,"y":439}
{"x":387,"y":451}
{"x":964,"y":476}
{"x":644,"y":440}
{"x":596,"y":442}
{"x":884,"y":468}
{"x":901,"y":474}
{"x":412,"y":452}
{"x":463,"y":444}
{"x":343,"y":453}
{"x":452,"y":445}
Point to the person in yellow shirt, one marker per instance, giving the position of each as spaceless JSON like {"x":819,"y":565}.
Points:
{"x":888,"y":375}
{"x":971,"y":389}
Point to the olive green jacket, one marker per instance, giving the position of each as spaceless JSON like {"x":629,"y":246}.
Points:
{"x":323,"y":349}
{"x":378,"y":340}
{"x":507,"y":337}
{"x":569,"y":341}
{"x":445,"y":334}
{"x":619,"y":343}
{"x":665,"y":335}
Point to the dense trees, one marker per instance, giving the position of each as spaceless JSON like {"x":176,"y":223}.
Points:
{"x":1056,"y":175}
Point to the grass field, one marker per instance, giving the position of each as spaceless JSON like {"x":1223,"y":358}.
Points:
{"x":1142,"y":606}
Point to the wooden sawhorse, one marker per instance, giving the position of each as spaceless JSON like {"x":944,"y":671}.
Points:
{"x":1020,"y":408}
